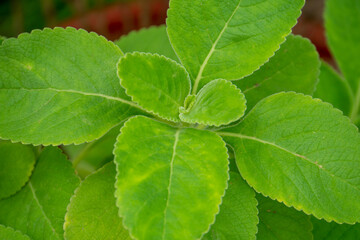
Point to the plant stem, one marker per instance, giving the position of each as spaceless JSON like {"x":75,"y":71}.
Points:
{"x":80,"y":156}
{"x":356,"y":105}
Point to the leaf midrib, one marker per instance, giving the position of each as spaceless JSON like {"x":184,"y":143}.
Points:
{"x":237,"y":135}
{"x":202,"y":67}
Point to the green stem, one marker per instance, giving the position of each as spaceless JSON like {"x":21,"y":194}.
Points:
{"x":356,"y":106}
{"x":80,"y":156}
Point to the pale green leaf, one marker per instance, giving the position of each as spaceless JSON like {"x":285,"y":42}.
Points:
{"x":332,"y":88}
{"x":156,"y":83}
{"x":38,"y":210}
{"x":302,"y":152}
{"x":170,"y":181}
{"x":228,"y":39}
{"x":238,"y":218}
{"x":151,"y":40}
{"x":342,"y":23}
{"x":278,"y":222}
{"x":92,"y":213}
{"x":59,"y":86}
{"x":16,"y":164}
{"x":7,"y":233}
{"x":218,"y":103}
{"x":333,"y":231}
{"x":295,"y":67}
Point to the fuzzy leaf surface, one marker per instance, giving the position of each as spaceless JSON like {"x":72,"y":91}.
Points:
{"x":218,"y":103}
{"x":295,"y":67}
{"x":8,"y":233}
{"x":43,"y":200}
{"x":92,"y":213}
{"x":302,"y":152}
{"x":150,"y":40}
{"x":59,"y":86}
{"x":342,"y":23}
{"x":170,"y":181}
{"x":16,"y":165}
{"x":238,"y":218}
{"x":333,"y":89}
{"x":278,"y":222}
{"x":228,"y":39}
{"x":156,"y":83}
{"x":333,"y":231}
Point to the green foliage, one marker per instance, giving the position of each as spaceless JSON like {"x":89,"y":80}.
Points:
{"x":218,"y":103}
{"x":237,"y":219}
{"x":278,"y":222}
{"x":94,"y":203}
{"x":308,"y":176}
{"x":156,"y":83}
{"x":16,"y":164}
{"x":2,"y":39}
{"x":10,"y":234}
{"x":168,"y":185}
{"x":67,"y":86}
{"x":38,"y":210}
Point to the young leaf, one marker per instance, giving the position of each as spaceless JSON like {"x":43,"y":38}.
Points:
{"x":59,"y":86}
{"x":295,"y":67}
{"x":302,"y":152}
{"x":155,"y":82}
{"x":94,"y":203}
{"x":170,"y":181}
{"x":8,"y":233}
{"x":16,"y":164}
{"x":332,"y":88}
{"x":43,"y":200}
{"x":342,"y":23}
{"x":228,"y":39}
{"x":218,"y":103}
{"x":278,"y":222}
{"x":333,"y":231}
{"x":237,"y":219}
{"x":151,"y":40}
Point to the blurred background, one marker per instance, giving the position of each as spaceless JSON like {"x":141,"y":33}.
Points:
{"x":114,"y":18}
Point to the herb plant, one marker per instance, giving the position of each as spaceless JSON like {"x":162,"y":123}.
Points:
{"x":216,"y":122}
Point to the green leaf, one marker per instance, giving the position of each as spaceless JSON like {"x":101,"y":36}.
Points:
{"x":237,"y":219}
{"x":2,"y":39}
{"x":278,"y":222}
{"x":332,"y":88}
{"x":295,"y":67}
{"x":302,"y":152}
{"x":8,"y":233}
{"x":333,"y":231}
{"x":156,"y":83}
{"x":16,"y":164}
{"x":38,"y":210}
{"x":59,"y":86}
{"x":218,"y":103}
{"x":170,"y":181}
{"x":342,"y":23}
{"x":151,"y":40}
{"x":92,"y":213}
{"x":228,"y":39}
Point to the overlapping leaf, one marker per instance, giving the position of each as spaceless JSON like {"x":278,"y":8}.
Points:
{"x":151,"y":40}
{"x":38,"y":210}
{"x":170,"y":181}
{"x":295,"y":67}
{"x":278,"y":222}
{"x":228,"y":40}
{"x":333,"y":231}
{"x":237,"y":219}
{"x":333,"y":89}
{"x":302,"y":152}
{"x":155,"y":82}
{"x":8,"y":233}
{"x":16,"y":164}
{"x":218,"y":103}
{"x":60,"y":86}
{"x":92,"y":213}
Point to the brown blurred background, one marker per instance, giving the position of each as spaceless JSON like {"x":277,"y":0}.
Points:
{"x":113,"y":18}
